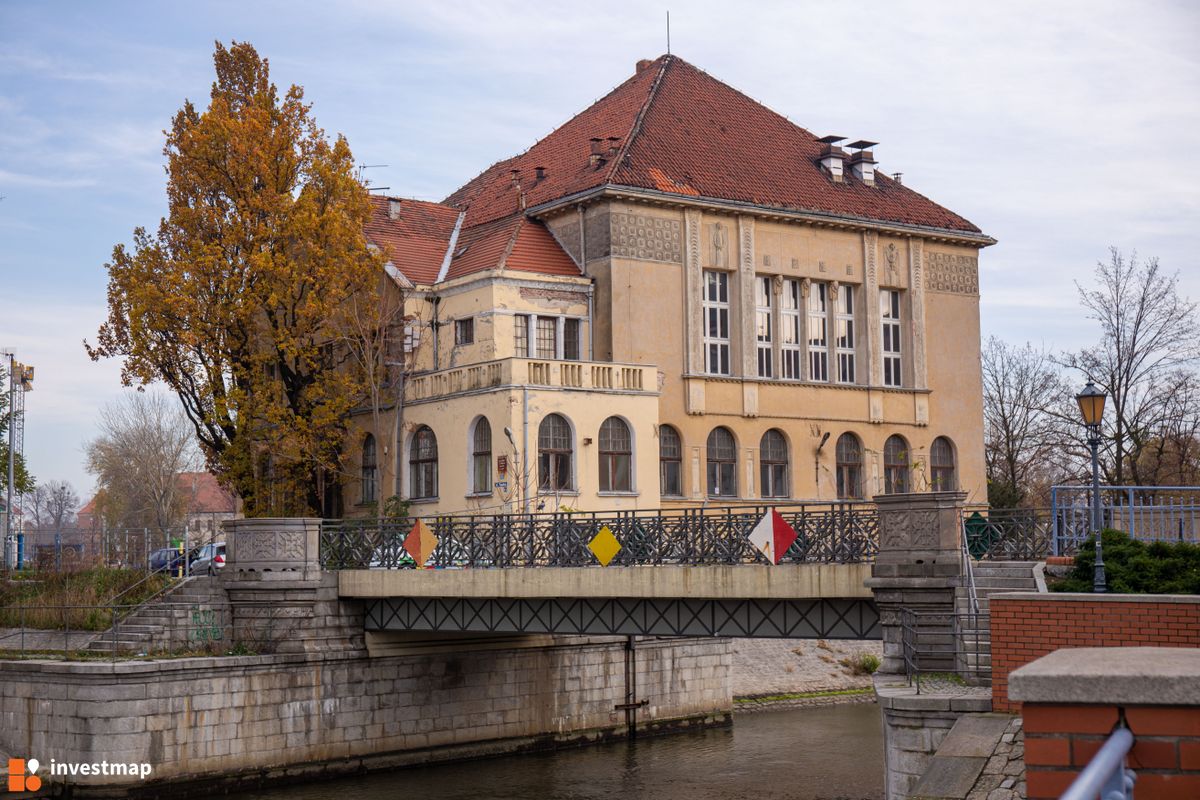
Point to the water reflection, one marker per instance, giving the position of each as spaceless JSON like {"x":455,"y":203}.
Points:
{"x":801,"y":754}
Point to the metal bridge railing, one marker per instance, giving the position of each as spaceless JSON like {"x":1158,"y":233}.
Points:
{"x":1017,"y":534}
{"x":1147,"y":513}
{"x":946,"y":647}
{"x":1106,"y":775}
{"x":826,"y":533}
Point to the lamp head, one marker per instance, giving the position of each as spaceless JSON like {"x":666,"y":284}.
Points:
{"x":1091,"y":404}
{"x":508,"y":432}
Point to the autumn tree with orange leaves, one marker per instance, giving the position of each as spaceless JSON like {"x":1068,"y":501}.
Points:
{"x":238,"y":301}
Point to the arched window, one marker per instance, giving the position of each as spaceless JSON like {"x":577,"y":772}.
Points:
{"x":616,"y":456}
{"x":722,"y":463}
{"x":773,"y":464}
{"x":554,"y":454}
{"x":370,"y":480}
{"x":941,"y":465}
{"x":423,"y":464}
{"x":895,"y":465}
{"x":670,"y":462}
{"x":849,"y":467}
{"x":481,"y":457}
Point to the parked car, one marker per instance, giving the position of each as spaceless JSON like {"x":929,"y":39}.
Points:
{"x":209,"y":559}
{"x":166,"y":559}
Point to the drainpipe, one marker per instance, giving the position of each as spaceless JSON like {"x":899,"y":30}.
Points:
{"x":525,"y":447}
{"x":591,"y":335}
{"x":436,"y":349}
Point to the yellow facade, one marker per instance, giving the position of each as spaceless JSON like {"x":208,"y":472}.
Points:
{"x":638,"y":313}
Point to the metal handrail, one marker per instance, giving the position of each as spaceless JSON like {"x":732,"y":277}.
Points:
{"x":938,"y":649}
{"x":1106,"y":775}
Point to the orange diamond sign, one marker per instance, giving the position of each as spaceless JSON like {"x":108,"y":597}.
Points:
{"x":604,"y":546}
{"x":420,"y":542}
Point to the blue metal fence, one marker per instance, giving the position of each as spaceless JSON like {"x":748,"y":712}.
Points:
{"x":1148,"y":513}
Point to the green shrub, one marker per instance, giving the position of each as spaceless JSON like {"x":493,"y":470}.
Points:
{"x":861,"y":664}
{"x":1134,"y":567}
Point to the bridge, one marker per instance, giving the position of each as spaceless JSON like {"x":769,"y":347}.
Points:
{"x":688,"y":572}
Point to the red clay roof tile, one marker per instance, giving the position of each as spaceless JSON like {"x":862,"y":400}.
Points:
{"x":415,"y":241}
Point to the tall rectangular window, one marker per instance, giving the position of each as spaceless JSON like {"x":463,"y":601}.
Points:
{"x":521,"y":335}
{"x":464,"y":331}
{"x":547,"y":337}
{"x":571,"y":339}
{"x":789,"y":338}
{"x":845,"y":334}
{"x":762,"y":326}
{"x":889,"y":310}
{"x":716,"y":322}
{"x":818,"y":334}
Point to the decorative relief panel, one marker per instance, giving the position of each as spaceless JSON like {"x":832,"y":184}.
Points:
{"x":647,"y":238}
{"x":901,"y":530}
{"x":952,"y":273}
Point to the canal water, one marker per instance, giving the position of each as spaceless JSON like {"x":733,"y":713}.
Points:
{"x":820,"y":753}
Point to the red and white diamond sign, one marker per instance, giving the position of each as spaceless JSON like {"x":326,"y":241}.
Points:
{"x":772,"y":536}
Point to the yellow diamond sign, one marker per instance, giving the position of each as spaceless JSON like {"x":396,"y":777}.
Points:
{"x":604,"y":546}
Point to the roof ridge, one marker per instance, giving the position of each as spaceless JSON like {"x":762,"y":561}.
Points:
{"x":512,"y":243}
{"x":637,"y":120}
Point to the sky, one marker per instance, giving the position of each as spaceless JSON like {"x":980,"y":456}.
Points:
{"x":1061,"y":129}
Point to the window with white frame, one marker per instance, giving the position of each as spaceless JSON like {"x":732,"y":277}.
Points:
{"x":763,"y":325}
{"x":845,"y":342}
{"x":521,"y":335}
{"x":889,"y":311}
{"x":789,"y":323}
{"x":716,"y":322}
{"x":547,"y":337}
{"x":818,"y":333}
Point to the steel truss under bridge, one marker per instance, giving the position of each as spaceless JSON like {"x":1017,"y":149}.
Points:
{"x":848,"y":618}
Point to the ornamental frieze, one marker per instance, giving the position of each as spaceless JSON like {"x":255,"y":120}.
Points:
{"x":647,"y":238}
{"x":953,"y":273}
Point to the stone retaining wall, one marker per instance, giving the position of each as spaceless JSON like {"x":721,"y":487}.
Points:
{"x":259,"y":719}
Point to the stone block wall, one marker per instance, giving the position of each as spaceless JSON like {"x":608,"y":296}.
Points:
{"x":267,"y":718}
{"x":1027,"y":626}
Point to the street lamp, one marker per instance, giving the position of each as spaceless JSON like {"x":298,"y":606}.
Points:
{"x":1091,"y":406}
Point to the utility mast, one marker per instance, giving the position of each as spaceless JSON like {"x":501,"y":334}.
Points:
{"x":20,"y":381}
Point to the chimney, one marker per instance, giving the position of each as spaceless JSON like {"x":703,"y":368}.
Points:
{"x":898,"y":177}
{"x":539,"y":173}
{"x":614,"y":144}
{"x":393,"y":208}
{"x":597,"y":155}
{"x":516,"y":178}
{"x":863,"y":162}
{"x":832,"y":156}
{"x":641,"y":65}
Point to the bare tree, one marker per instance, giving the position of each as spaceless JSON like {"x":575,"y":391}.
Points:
{"x":52,"y":505}
{"x":145,"y":442}
{"x":1023,"y":436}
{"x":1144,"y":360}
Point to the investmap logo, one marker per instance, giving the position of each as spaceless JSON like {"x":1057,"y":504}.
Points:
{"x":22,"y":775}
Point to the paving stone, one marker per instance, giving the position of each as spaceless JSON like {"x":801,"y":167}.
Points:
{"x":975,"y":735}
{"x":949,"y":777}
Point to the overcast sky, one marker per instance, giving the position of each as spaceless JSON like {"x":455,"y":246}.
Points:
{"x":1059,"y":128}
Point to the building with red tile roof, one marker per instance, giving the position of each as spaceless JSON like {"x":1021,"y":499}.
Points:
{"x":678,"y":296}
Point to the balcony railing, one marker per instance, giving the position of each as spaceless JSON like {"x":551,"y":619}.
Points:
{"x":826,"y":533}
{"x":594,"y":375}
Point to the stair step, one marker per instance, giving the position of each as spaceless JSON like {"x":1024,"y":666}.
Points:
{"x":1005,"y":583}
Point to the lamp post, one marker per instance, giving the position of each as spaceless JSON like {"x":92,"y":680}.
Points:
{"x":1091,"y":406}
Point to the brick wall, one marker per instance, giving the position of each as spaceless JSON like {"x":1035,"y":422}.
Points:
{"x":1027,"y":626}
{"x":1061,"y":739}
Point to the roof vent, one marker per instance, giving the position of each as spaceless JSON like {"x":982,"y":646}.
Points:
{"x":393,"y":208}
{"x":832,"y":156}
{"x":863,"y":162}
{"x":614,"y":144}
{"x":641,"y":65}
{"x":540,"y":173}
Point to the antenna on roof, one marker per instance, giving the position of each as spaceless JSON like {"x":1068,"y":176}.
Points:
{"x":668,"y":32}
{"x":362,"y":167}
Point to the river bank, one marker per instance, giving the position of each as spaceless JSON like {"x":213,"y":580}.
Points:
{"x":771,"y":674}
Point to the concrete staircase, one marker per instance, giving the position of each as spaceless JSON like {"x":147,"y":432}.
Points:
{"x":991,"y":577}
{"x":166,"y":622}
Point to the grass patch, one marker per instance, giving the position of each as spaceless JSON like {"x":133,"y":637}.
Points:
{"x":775,"y":698}
{"x":56,"y":600}
{"x":943,"y":677}
{"x":861,"y":664}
